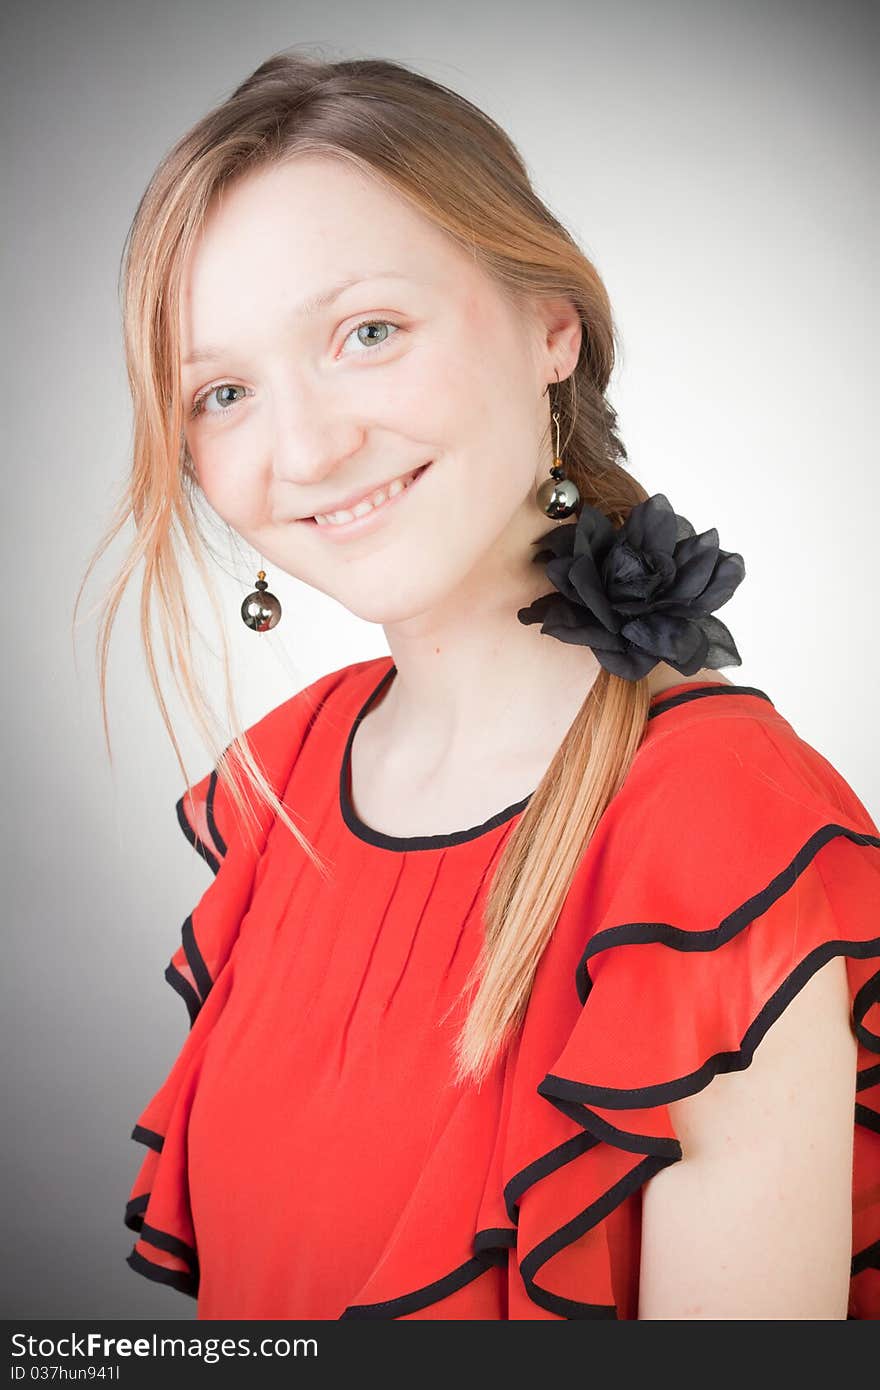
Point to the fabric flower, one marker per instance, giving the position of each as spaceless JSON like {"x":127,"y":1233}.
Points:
{"x":641,"y":593}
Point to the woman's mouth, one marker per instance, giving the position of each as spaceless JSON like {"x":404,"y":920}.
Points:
{"x":368,"y":513}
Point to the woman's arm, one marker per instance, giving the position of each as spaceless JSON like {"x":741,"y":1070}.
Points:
{"x":755,"y":1221}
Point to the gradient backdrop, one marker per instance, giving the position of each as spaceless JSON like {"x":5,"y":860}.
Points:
{"x":714,"y":161}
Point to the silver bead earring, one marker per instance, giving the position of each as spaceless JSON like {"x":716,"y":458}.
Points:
{"x":261,"y":610}
{"x":558,"y":497}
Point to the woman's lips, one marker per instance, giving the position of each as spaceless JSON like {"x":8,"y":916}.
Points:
{"x":361,"y":524}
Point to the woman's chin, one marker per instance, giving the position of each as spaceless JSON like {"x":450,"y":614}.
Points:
{"x":388,"y":605}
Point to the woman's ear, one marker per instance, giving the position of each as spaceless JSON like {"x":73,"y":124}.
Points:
{"x":559,"y":332}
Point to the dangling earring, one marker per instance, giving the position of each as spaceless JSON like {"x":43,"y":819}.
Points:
{"x":558,"y":496}
{"x":261,"y":610}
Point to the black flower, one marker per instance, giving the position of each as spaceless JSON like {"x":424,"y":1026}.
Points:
{"x":639,"y":594}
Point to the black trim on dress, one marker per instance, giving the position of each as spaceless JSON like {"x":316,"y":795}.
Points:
{"x":174,"y":1278}
{"x":141,"y":1135}
{"x":192,"y":835}
{"x":406,"y":843}
{"x":195,"y":960}
{"x":213,"y":829}
{"x":680,"y":939}
{"x":662,"y":702}
{"x":185,"y":990}
{"x":429,"y":1293}
{"x":172,"y":1245}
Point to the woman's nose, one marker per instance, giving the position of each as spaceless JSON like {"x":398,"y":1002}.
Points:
{"x":308,"y":446}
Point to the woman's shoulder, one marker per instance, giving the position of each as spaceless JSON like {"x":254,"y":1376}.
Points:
{"x":723,"y":802}
{"x":711,"y":742}
{"x":705,"y":728}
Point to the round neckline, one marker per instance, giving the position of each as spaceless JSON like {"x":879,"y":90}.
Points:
{"x":405,"y":843}
{"x":664,"y":699}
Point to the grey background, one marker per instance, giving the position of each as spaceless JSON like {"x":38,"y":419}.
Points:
{"x":713,"y":159}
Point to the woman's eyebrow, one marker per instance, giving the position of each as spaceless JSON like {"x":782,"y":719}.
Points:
{"x":305,"y":309}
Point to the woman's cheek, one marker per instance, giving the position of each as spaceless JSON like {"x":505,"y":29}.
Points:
{"x":230,"y":488}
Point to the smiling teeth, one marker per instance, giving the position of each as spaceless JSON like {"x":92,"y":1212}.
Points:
{"x":367,"y":504}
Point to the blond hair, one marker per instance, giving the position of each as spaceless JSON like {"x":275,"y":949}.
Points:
{"x":458,"y":168}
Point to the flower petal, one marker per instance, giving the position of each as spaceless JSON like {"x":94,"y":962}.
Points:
{"x":678,"y":641}
{"x":536,"y":612}
{"x":722,"y":648}
{"x":651,"y":525}
{"x":594,"y":533}
{"x":630,"y":665}
{"x":570,"y":622}
{"x":696,"y":558}
{"x":559,"y":541}
{"x":558,"y":571}
{"x":565,"y":626}
{"x":589,"y":590}
{"x":729,"y":574}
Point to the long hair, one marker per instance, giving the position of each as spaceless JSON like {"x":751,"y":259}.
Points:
{"x":458,"y":168}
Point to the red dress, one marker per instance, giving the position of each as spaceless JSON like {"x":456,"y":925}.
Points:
{"x":308,"y":1157}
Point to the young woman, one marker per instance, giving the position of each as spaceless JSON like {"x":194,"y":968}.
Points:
{"x":539,"y":979}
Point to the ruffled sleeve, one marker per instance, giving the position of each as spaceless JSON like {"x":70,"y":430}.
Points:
{"x":201,"y":971}
{"x":732,"y":865}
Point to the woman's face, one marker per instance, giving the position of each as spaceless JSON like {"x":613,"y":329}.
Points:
{"x":420,"y":361}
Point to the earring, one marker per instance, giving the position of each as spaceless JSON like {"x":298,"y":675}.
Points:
{"x":261,"y":610}
{"x":558,"y":496}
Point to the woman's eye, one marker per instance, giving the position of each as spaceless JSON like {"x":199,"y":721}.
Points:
{"x":213,"y":393}
{"x":373,"y":342}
